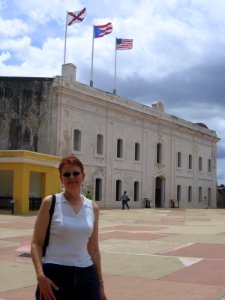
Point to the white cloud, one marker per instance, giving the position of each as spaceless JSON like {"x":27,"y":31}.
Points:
{"x":13,"y":28}
{"x":17,"y":45}
{"x":4,"y":56}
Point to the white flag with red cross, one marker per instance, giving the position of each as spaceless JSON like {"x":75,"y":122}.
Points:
{"x":75,"y":17}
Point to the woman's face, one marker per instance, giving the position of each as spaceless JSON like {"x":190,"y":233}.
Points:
{"x":72,"y":177}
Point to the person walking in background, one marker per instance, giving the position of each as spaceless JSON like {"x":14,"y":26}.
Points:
{"x":71,"y":267}
{"x":125,"y":200}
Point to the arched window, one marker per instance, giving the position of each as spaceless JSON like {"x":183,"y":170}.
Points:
{"x":159,"y":153}
{"x":209,"y":165}
{"x":200,"y":163}
{"x":189,"y":193}
{"x":178,"y":193}
{"x":98,"y":189}
{"x":99,"y":144}
{"x":136,"y":191}
{"x":179,"y":159}
{"x":77,"y":140}
{"x":137,"y":151}
{"x":190,"y":162}
{"x":119,"y":148}
{"x":118,"y":190}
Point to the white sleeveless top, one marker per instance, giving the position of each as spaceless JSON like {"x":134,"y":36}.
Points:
{"x":69,"y":234}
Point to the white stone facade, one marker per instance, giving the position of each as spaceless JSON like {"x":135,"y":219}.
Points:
{"x":161,"y":157}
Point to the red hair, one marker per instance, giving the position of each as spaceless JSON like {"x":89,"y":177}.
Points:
{"x":71,"y":160}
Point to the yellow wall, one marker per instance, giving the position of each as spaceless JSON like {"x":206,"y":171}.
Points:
{"x":24,"y":162}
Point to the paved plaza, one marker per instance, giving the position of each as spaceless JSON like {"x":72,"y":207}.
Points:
{"x":147,"y":254}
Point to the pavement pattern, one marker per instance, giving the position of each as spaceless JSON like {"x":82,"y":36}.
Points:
{"x":147,"y":254}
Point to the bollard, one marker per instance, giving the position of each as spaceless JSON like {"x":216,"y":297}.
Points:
{"x":12,"y":203}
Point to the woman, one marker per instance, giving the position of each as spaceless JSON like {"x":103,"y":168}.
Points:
{"x":71,"y":267}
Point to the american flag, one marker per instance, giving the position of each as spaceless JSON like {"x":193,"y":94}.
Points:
{"x":124,"y":44}
{"x":101,"y":30}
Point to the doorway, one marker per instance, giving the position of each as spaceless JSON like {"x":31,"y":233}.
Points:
{"x":159,"y":192}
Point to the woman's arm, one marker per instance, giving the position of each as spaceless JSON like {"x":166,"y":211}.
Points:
{"x":40,"y":229}
{"x":93,"y":248}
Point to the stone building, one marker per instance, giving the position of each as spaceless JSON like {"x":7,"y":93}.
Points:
{"x":124,"y":145}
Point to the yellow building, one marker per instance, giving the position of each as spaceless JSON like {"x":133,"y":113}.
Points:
{"x":26,"y":176}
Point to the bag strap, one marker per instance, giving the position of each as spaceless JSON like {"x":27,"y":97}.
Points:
{"x":51,"y":211}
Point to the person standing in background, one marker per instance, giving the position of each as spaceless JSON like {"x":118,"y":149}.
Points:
{"x":125,"y":200}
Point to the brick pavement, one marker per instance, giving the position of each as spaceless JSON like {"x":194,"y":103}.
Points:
{"x":147,"y":254}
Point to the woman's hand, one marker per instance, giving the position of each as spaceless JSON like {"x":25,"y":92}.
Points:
{"x":46,"y":287}
{"x":102,"y":293}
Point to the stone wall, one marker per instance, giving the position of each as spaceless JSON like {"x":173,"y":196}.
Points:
{"x":27,"y":114}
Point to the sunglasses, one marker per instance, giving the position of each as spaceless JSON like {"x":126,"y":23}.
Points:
{"x":74,"y":174}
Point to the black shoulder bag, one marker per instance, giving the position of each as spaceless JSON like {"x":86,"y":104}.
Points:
{"x":51,"y":211}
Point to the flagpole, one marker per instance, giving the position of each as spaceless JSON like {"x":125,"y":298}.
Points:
{"x":114,"y":89}
{"x":92,"y":58}
{"x":65,"y":39}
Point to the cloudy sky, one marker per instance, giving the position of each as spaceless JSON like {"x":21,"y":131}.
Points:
{"x":178,"y":55}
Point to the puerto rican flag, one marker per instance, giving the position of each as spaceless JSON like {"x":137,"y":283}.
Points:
{"x":75,"y":17}
{"x":101,"y":30}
